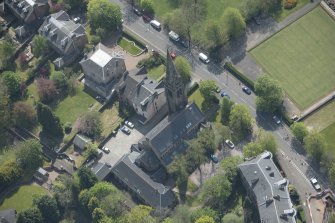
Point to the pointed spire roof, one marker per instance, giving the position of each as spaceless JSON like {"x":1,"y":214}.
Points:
{"x":171,"y":71}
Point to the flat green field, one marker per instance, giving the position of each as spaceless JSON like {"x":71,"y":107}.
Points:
{"x":329,"y":134}
{"x":301,"y":57}
{"x":22,"y":198}
{"x":321,"y":119}
{"x":129,"y":46}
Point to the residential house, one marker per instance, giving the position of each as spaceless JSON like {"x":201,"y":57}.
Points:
{"x":102,"y":69}
{"x":41,"y":174}
{"x":8,"y":216}
{"x":28,"y":11}
{"x":64,"y":36}
{"x":101,"y":170}
{"x":267,"y":189}
{"x":145,"y":95}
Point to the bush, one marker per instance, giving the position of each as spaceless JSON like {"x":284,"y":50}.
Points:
{"x":67,"y":127}
{"x":133,"y":38}
{"x":289,"y":4}
{"x":151,"y":62}
{"x":230,"y":67}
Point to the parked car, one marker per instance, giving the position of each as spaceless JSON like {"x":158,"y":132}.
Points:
{"x":183,"y":42}
{"x":137,"y":11}
{"x":230,"y":144}
{"x":173,"y":55}
{"x":76,"y":20}
{"x":174,"y":36}
{"x":246,"y":90}
{"x":204,"y":58}
{"x":315,"y":184}
{"x":106,"y":149}
{"x":129,"y":124}
{"x":125,"y":130}
{"x":276,"y":119}
{"x":223,"y":94}
{"x":146,"y":18}
{"x":157,"y":25}
{"x":214,"y":158}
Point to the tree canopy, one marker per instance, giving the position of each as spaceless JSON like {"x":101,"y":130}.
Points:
{"x":5,"y":113}
{"x":240,"y":121}
{"x":39,"y":45}
{"x":315,"y":145}
{"x":140,"y":214}
{"x":24,"y":114}
{"x":90,"y":124}
{"x":226,"y":106}
{"x":12,"y":81}
{"x":46,"y":89}
{"x":299,"y":130}
{"x":31,"y":215}
{"x":207,"y":89}
{"x":183,"y":68}
{"x":48,"y":207}
{"x":148,"y":7}
{"x":49,"y":121}
{"x":233,"y":22}
{"x":232,"y":218}
{"x":87,"y":178}
{"x":205,"y":219}
{"x":7,"y":50}
{"x":264,"y":141}
{"x":29,"y":154}
{"x":216,"y":36}
{"x":60,"y":79}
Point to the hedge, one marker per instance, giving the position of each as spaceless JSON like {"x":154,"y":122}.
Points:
{"x":233,"y":70}
{"x":133,"y":38}
{"x":193,"y":88}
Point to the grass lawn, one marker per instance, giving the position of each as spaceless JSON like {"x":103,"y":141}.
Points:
{"x":110,"y":120}
{"x":322,"y":118}
{"x":157,"y":73}
{"x":22,"y":197}
{"x":329,"y":134}
{"x":301,"y":57}
{"x":72,"y":107}
{"x":129,"y":46}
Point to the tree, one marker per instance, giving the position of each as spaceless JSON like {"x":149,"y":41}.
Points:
{"x":181,"y":214}
{"x":299,"y":130}
{"x":253,"y":8}
{"x":76,"y":3}
{"x":65,"y":189}
{"x":233,"y":22}
{"x":97,"y":215}
{"x":48,"y":207}
{"x":10,"y":172}
{"x":267,"y":141}
{"x":221,"y":132}
{"x":207,"y":89}
{"x":5,"y":113}
{"x":252,"y":149}
{"x":206,"y":139}
{"x":202,"y":212}
{"x":183,"y":68}
{"x":31,"y":215}
{"x":315,"y":145}
{"x":59,"y":79}
{"x":226,"y":107}
{"x":178,"y":167}
{"x":232,"y":218}
{"x":270,"y":95}
{"x":148,"y":7}
{"x":90,"y":124}
{"x":46,"y":89}
{"x":205,"y":219}
{"x":140,"y":214}
{"x":86,"y":177}
{"x":40,"y":45}
{"x":240,"y":121}
{"x":24,"y":114}
{"x":29,"y":154}
{"x":91,"y":151}
{"x":215,"y":34}
{"x":104,"y":14}
{"x":229,"y":167}
{"x":7,"y":51}
{"x":195,"y":155}
{"x":49,"y":121}
{"x":12,"y":81}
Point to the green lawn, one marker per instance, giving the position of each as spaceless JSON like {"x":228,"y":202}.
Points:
{"x":72,"y":107}
{"x":129,"y":46}
{"x":322,"y":118}
{"x":301,"y":57}
{"x":22,"y":198}
{"x":157,"y":73}
{"x":329,"y":134}
{"x":286,"y":12}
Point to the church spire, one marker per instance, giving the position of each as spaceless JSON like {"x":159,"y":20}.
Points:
{"x":174,"y":87}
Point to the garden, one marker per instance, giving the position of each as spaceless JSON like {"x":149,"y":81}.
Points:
{"x":305,"y":73}
{"x":129,"y":46}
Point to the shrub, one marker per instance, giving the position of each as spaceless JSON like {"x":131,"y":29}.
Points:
{"x":151,"y":62}
{"x":230,"y":67}
{"x":67,"y":127}
{"x":289,"y":4}
{"x":133,"y":38}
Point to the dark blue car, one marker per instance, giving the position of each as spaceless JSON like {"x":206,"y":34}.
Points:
{"x":223,"y":94}
{"x":246,"y":90}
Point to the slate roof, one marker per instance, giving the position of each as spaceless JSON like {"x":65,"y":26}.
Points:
{"x":167,"y":138}
{"x":101,"y":170}
{"x":8,"y":216}
{"x":25,"y":8}
{"x":269,"y":188}
{"x":155,"y":194}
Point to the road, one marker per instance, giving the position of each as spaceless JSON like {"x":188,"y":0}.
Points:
{"x":290,"y":155}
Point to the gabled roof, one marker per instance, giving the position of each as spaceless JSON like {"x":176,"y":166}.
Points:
{"x":153,"y":193}
{"x":269,"y":188}
{"x":167,"y":138}
{"x":8,"y":216}
{"x":25,"y":8}
{"x":81,"y":141}
{"x":101,"y":170}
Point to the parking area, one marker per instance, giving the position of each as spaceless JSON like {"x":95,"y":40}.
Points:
{"x":120,"y":145}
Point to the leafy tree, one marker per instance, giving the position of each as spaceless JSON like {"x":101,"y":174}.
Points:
{"x":12,"y":81}
{"x":252,"y":8}
{"x":29,"y":154}
{"x":226,"y":107}
{"x":140,"y":214}
{"x":59,"y":79}
{"x":7,"y":50}
{"x":229,"y":166}
{"x":10,"y":172}
{"x":240,"y":121}
{"x":86,"y":177}
{"x":195,"y":155}
{"x":183,"y":68}
{"x":205,"y":219}
{"x":267,"y":141}
{"x":93,"y":204}
{"x":24,"y":114}
{"x":315,"y":145}
{"x":148,"y":7}
{"x":5,"y":113}
{"x":91,"y":151}
{"x":232,"y":218}
{"x":113,"y":205}
{"x":215,"y":35}
{"x":97,"y":215}
{"x":299,"y":130}
{"x":233,"y":22}
{"x":182,"y":214}
{"x":90,"y":124}
{"x":46,"y":89}
{"x":65,"y":189}
{"x":76,"y":3}
{"x":205,"y":211}
{"x":207,"y":89}
{"x":178,"y":167}
{"x":49,"y":121}
{"x":221,"y":132}
{"x":48,"y":207}
{"x":167,"y":220}
{"x":40,"y":45}
{"x":270,"y":95}
{"x":31,"y":215}
{"x":252,"y":149}
{"x":104,"y":14}
{"x":206,"y":138}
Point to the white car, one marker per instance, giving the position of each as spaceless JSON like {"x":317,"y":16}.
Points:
{"x":230,"y":144}
{"x":76,"y":20}
{"x":276,"y":119}
{"x":315,"y":184}
{"x":106,"y":149}
{"x":129,"y":124}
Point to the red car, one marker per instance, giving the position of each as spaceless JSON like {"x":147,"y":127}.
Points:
{"x":146,"y":18}
{"x":173,"y":55}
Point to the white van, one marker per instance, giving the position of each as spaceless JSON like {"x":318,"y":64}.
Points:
{"x":203,"y":58}
{"x":155,"y":24}
{"x":174,"y":36}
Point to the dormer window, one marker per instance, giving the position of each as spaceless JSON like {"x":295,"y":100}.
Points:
{"x":25,"y":9}
{"x":20,"y":5}
{"x":46,"y":28}
{"x":53,"y":33}
{"x":63,"y":42}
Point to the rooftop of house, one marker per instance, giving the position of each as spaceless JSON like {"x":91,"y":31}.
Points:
{"x":81,"y":141}
{"x":270,"y":189}
{"x":172,"y":129}
{"x":8,"y":216}
{"x":101,"y":170}
{"x":155,"y":194}
{"x":101,"y":56}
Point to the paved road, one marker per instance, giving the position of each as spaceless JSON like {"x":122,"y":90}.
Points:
{"x":294,"y":164}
